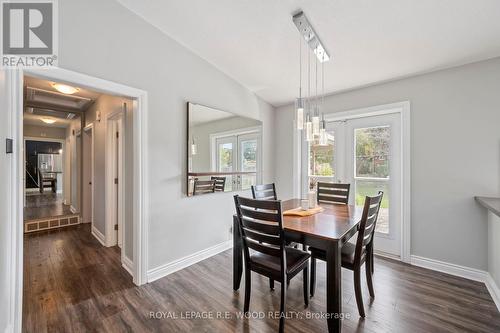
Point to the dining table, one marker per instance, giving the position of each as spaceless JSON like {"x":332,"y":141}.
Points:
{"x":328,"y":230}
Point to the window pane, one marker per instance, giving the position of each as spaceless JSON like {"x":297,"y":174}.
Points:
{"x":248,"y":162}
{"x":372,"y":151}
{"x":321,"y":159}
{"x":370,"y":188}
{"x":226,"y":163}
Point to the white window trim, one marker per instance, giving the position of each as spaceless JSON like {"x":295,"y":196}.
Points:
{"x":403,"y":108}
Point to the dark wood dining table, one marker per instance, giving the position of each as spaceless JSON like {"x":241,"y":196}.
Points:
{"x":328,"y":230}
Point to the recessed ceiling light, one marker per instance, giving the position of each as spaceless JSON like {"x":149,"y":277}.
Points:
{"x":48,"y":120}
{"x":65,"y":89}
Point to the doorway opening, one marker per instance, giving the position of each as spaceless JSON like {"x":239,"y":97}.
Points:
{"x":369,"y":149}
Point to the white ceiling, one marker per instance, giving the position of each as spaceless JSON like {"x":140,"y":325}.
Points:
{"x":256,"y":43}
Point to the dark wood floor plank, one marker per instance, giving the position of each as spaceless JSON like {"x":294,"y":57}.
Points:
{"x":73,"y":284}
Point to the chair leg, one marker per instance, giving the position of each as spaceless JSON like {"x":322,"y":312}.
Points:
{"x":369,"y":278}
{"x":305,"y":279}
{"x":282,"y":307}
{"x":271,"y":284}
{"x":372,"y":261}
{"x":248,"y":286}
{"x":313,"y":276}
{"x":357,"y":291}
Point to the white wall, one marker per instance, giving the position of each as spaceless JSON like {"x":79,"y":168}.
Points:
{"x":494,"y":247}
{"x":103,"y":39}
{"x":455,"y":154}
{"x":70,"y":175}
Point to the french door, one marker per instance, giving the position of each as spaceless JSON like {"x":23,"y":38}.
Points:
{"x":238,"y":153}
{"x":367,"y":154}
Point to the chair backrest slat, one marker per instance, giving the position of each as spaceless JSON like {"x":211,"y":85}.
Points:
{"x":367,"y":224}
{"x":203,"y":186}
{"x":266,"y":228}
{"x":263,"y":248}
{"x":264,"y":192}
{"x":259,"y":214}
{"x":333,"y":192}
{"x":220,"y":183}
{"x":264,"y":238}
{"x":261,"y":227}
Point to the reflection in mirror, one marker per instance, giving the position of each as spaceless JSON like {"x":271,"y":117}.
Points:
{"x":224,"y":151}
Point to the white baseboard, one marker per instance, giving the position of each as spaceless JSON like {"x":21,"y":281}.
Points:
{"x":174,"y":266}
{"x":98,"y":235}
{"x":461,"y":271}
{"x":493,"y":289}
{"x":128,"y":265}
{"x":452,"y":269}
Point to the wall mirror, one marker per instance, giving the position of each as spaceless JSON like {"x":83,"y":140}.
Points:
{"x":223,"y":150}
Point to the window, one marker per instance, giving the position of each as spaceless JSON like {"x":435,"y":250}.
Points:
{"x":237,"y":152}
{"x":321,"y":159}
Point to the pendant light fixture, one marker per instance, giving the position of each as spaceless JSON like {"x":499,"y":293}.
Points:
{"x":309,"y":109}
{"x":323,"y":137}
{"x":194,"y":147}
{"x":299,"y":104}
{"x":309,"y":126}
{"x":315,"y":117}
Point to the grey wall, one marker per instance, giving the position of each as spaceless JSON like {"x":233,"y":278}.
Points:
{"x":201,"y":161}
{"x":44,"y":132}
{"x":108,"y":104}
{"x":103,"y":39}
{"x":455,"y":154}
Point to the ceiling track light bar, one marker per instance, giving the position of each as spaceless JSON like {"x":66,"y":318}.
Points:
{"x":310,"y":36}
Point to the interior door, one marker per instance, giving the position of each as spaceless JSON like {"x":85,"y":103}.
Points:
{"x":227,"y":159}
{"x":248,"y":159}
{"x":373,"y":163}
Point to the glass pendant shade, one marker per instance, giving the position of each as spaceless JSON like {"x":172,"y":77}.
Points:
{"x":323,"y":139}
{"x":194,"y":148}
{"x":315,"y":125}
{"x":299,"y":106}
{"x":309,"y":129}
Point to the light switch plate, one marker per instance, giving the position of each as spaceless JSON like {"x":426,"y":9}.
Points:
{"x":9,"y":146}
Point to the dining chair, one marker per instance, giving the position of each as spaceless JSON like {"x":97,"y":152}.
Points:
{"x":203,"y":186}
{"x":333,"y":192}
{"x":264,"y":192}
{"x":220,"y":183}
{"x":261,"y":228}
{"x":354,"y":255}
{"x":268,"y":192}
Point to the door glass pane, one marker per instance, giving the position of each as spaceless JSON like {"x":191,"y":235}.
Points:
{"x":225,"y":162}
{"x":370,"y":188}
{"x":248,"y":158}
{"x":372,"y":151}
{"x":321,"y":160}
{"x":372,"y":169}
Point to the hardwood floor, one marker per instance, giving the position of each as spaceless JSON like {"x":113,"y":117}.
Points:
{"x":44,"y":205}
{"x":73,"y":284}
